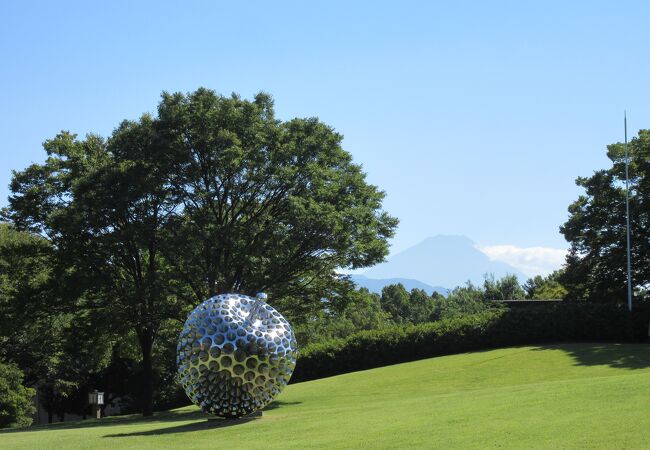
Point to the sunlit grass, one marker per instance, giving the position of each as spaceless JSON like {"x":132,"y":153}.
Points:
{"x":564,"y":396}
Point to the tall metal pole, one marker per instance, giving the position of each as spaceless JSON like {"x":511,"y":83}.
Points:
{"x":627,"y":217}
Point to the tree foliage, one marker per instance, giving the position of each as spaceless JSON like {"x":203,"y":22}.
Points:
{"x":267,"y":205}
{"x":362,"y":311}
{"x":58,"y":349}
{"x":545,"y":288}
{"x":16,"y":401}
{"x":461,"y":301}
{"x":212,"y":195}
{"x":472,"y":299}
{"x":397,"y":306}
{"x":25,"y":268}
{"x":408,"y":307}
{"x":596,"y":229}
{"x":506,"y":288}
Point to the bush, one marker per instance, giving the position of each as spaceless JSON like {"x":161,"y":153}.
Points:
{"x":16,"y":401}
{"x":523,"y":325}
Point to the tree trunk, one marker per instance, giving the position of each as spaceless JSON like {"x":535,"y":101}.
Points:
{"x":146,"y":344}
{"x":49,"y":416}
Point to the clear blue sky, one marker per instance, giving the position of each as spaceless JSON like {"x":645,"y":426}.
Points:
{"x":474,"y":117}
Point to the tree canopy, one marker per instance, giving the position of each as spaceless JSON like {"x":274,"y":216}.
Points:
{"x":212,"y":195}
{"x":596,"y":267}
{"x":545,"y":288}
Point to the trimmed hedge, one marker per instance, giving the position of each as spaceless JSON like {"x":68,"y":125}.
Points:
{"x":497,"y":327}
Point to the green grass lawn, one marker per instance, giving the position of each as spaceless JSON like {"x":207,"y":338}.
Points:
{"x":562,"y":396}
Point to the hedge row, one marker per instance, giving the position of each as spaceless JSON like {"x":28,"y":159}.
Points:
{"x":523,"y":325}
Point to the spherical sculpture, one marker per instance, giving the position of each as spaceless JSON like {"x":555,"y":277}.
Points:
{"x":235,"y":354}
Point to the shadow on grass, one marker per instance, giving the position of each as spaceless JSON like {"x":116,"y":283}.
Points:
{"x":621,"y":356}
{"x":163,"y":416}
{"x":211,"y":423}
{"x":279,"y":404}
{"x":181,"y":415}
{"x":208,"y":424}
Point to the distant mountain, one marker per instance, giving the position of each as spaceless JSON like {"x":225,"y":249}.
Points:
{"x":375,"y":285}
{"x":442,"y":261}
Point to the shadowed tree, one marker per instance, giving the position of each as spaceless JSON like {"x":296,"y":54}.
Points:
{"x":56,"y":345}
{"x":16,"y":404}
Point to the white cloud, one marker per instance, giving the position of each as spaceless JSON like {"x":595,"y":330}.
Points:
{"x":530,"y":260}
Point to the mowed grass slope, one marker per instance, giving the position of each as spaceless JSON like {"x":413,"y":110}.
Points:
{"x":573,"y":395}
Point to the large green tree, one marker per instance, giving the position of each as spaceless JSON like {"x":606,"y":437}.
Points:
{"x":267,"y":205}
{"x":596,"y":264}
{"x":212,"y":195}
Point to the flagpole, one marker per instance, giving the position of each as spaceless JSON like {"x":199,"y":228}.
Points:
{"x":627,"y":217}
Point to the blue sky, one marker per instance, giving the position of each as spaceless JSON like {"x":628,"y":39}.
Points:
{"x":474,"y":117}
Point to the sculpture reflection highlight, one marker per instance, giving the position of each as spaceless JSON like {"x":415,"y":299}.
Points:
{"x":235,"y":354}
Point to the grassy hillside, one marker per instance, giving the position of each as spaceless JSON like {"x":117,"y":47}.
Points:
{"x":574,"y":395}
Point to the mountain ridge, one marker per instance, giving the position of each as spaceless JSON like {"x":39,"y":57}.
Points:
{"x":442,"y":260}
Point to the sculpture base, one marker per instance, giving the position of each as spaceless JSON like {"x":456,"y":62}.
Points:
{"x":254,"y":415}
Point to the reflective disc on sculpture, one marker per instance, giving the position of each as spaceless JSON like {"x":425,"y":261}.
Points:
{"x":235,"y":354}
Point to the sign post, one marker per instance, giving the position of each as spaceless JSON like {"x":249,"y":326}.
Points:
{"x":96,"y":399}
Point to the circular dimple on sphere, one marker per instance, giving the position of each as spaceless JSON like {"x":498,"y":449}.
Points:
{"x":226,"y":361}
{"x":229,"y":365}
{"x":249,"y":376}
{"x":240,"y":355}
{"x":228,"y":348}
{"x":238,"y":369}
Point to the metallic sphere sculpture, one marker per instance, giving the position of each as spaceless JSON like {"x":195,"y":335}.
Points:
{"x":235,"y":354}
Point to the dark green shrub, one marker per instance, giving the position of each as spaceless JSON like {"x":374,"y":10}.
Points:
{"x":16,"y":401}
{"x":498,"y":327}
